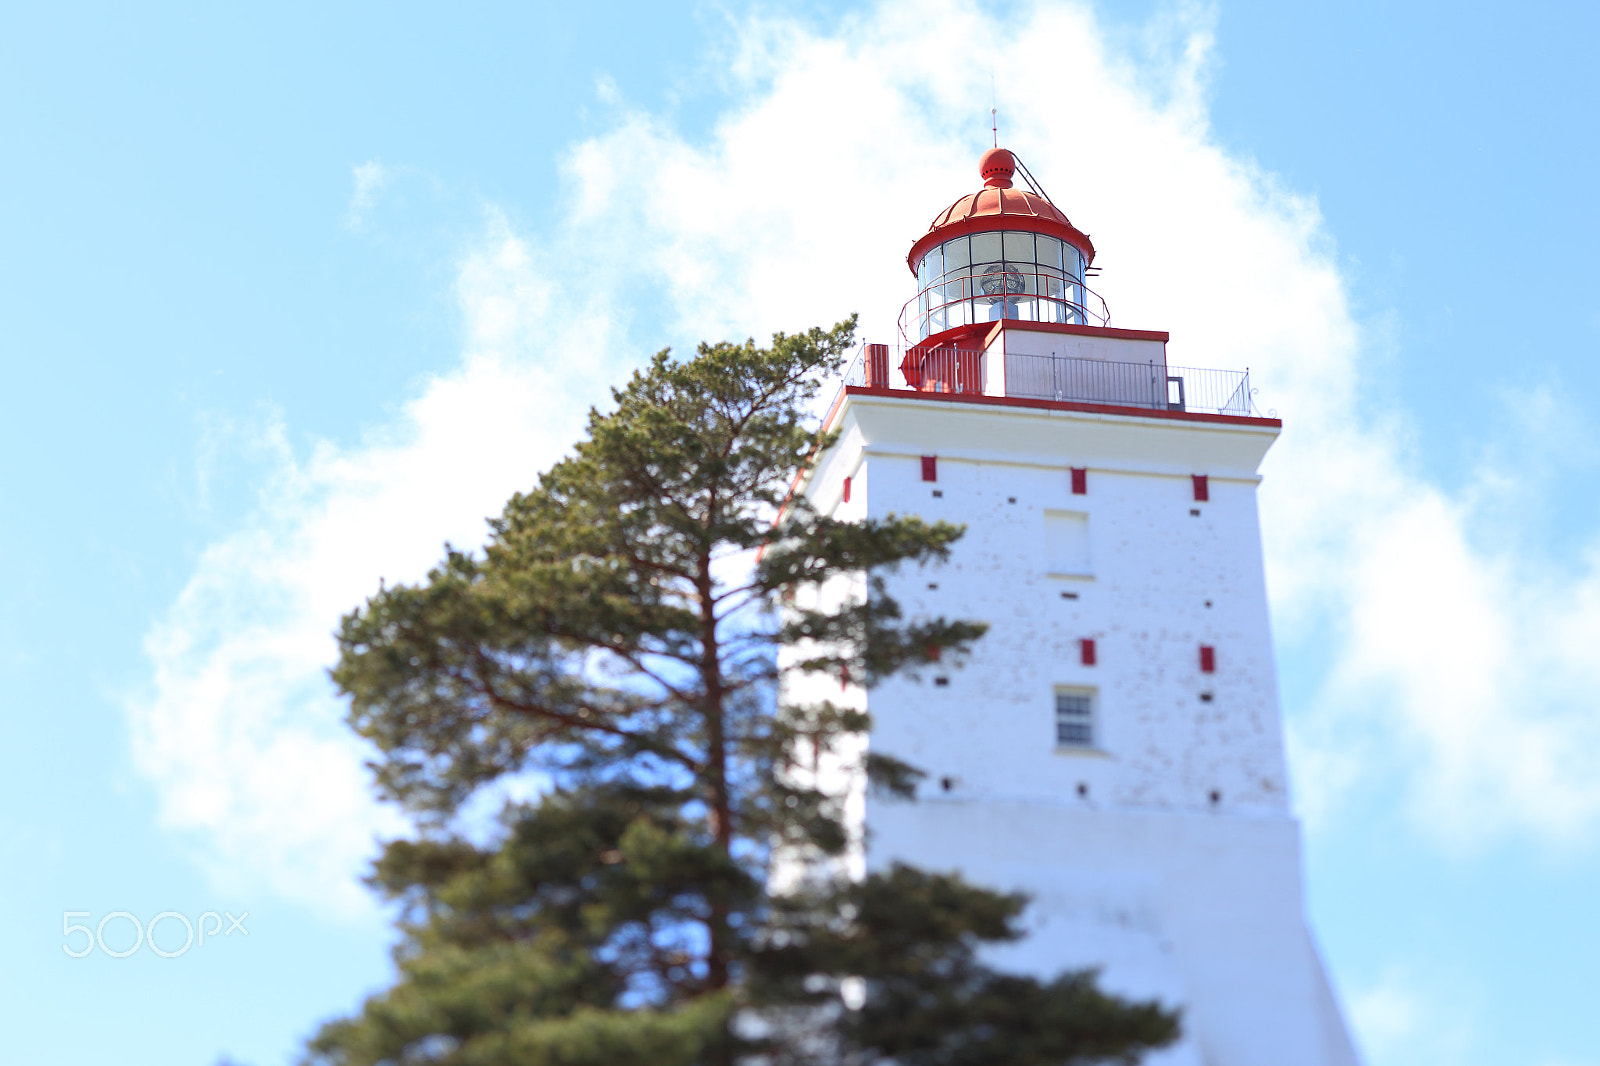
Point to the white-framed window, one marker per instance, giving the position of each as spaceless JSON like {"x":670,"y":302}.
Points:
{"x":1075,"y":718}
{"x":1066,"y":543}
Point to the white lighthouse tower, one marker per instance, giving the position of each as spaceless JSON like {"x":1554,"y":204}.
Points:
{"x":1113,"y":746}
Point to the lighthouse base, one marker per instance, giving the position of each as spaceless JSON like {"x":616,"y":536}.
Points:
{"x":1200,"y":911}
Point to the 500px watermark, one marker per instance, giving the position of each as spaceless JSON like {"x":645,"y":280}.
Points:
{"x":145,"y":933}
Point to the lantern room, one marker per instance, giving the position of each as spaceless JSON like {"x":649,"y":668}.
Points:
{"x":1002,"y":310}
{"x":1000,"y":253}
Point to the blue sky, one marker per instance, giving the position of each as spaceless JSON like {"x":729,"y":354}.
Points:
{"x":291,"y":295}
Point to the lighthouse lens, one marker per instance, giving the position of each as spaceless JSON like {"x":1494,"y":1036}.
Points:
{"x":998,"y":281}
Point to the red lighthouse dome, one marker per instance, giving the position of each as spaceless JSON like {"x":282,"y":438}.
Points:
{"x":999,"y":253}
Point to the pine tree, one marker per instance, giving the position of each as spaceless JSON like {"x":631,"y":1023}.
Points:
{"x":618,"y":642}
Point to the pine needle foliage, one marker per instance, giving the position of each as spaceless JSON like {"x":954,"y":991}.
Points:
{"x":621,"y":640}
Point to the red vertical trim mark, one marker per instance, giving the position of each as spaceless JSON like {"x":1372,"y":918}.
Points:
{"x":1086,"y":651}
{"x":846,"y":490}
{"x":930,"y":468}
{"x":878,"y":366}
{"x":1202,"y":487}
{"x":1080,"y":481}
{"x":1208,"y":659}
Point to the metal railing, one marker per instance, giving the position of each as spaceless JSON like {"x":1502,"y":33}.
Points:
{"x":1154,"y":385}
{"x":991,"y":292}
{"x":1150,"y":385}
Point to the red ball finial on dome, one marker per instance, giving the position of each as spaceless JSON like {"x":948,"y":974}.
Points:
{"x":996,"y":168}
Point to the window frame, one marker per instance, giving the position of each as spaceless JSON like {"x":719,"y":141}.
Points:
{"x":1088,"y":719}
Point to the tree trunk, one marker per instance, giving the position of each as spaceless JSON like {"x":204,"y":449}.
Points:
{"x":719,"y":933}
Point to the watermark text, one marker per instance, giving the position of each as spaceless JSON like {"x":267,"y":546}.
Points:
{"x":128,"y":934}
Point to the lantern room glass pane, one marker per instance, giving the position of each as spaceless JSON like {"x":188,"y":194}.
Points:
{"x":986,"y":248}
{"x":1049,"y":251}
{"x":1018,"y":247}
{"x":955,"y":255}
{"x":1011,"y":274}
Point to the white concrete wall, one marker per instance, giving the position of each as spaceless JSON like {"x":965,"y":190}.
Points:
{"x":1018,"y":339}
{"x":1167,"y":854}
{"x":1037,"y":362}
{"x":1202,"y":911}
{"x":838,"y":772}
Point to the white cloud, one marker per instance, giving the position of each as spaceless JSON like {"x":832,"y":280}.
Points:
{"x":241,"y":731}
{"x":1398,"y":1023}
{"x":1386,"y":1015}
{"x":367,"y":180}
{"x":1460,"y":668}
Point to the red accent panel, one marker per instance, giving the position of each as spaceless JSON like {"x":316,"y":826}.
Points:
{"x":1080,"y":481}
{"x":846,"y":490}
{"x":1086,"y":652}
{"x":1202,"y":487}
{"x":1208,"y":659}
{"x":930,"y":468}
{"x":877,"y":366}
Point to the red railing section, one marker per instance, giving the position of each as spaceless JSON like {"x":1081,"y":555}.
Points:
{"x":922,"y":369}
{"x":1151,"y":385}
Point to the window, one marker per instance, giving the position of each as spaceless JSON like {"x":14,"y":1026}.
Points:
{"x":1080,"y":480}
{"x":1074,"y":718}
{"x":1202,"y":487}
{"x":986,"y":248}
{"x":1018,"y":247}
{"x":930,"y":468}
{"x":1000,"y":274}
{"x":1049,"y":251}
{"x":1073,"y":260}
{"x":1066,"y":542}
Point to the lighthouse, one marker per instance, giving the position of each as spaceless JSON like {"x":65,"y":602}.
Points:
{"x":1113,"y":746}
